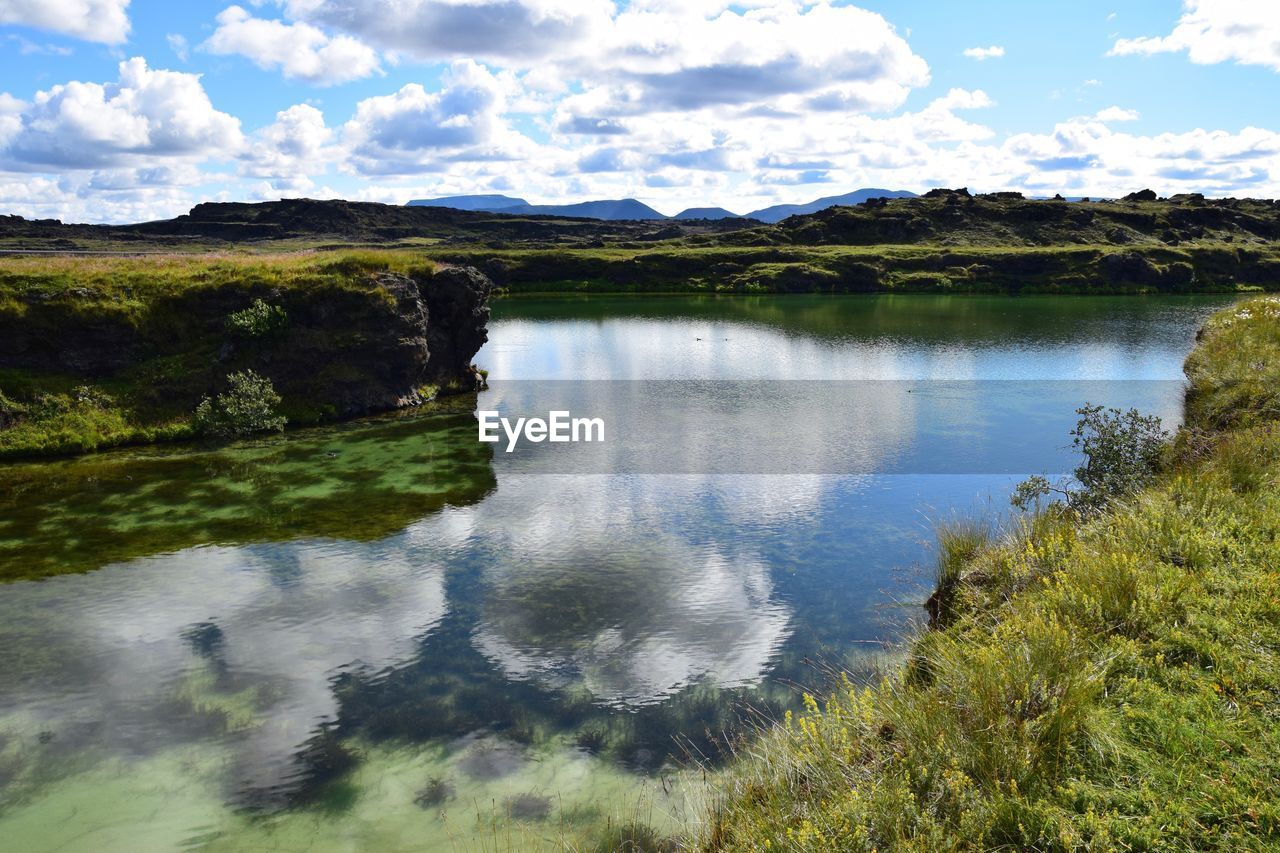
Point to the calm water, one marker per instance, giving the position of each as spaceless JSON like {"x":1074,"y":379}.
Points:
{"x":389,"y":635}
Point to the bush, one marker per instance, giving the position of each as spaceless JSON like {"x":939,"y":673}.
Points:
{"x":11,"y":411}
{"x":248,"y":406}
{"x":1121,"y":450}
{"x":258,"y":320}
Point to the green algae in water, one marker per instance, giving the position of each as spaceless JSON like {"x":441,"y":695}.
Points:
{"x":559,"y":796}
{"x":359,"y":481}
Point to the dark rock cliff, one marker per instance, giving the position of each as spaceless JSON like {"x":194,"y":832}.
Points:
{"x":342,"y":351}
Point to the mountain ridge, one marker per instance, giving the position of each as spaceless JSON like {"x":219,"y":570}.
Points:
{"x":633,"y":209}
{"x":779,"y":212}
{"x":707,"y":213}
{"x":604,"y":209}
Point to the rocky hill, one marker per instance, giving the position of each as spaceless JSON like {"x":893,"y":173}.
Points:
{"x":216,"y":224}
{"x":955,"y":218}
{"x":949,"y":218}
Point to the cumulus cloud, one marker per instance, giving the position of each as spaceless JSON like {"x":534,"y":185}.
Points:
{"x":286,"y":152}
{"x":1213,"y":31}
{"x":787,"y":57}
{"x":445,"y":29}
{"x":651,"y":55}
{"x":981,"y":53}
{"x":1117,"y":114}
{"x":414,"y":131}
{"x":112,"y":195}
{"x":299,"y":51}
{"x":778,"y":51}
{"x":676,"y":102}
{"x":1087,"y":154}
{"x":147,"y":113}
{"x":105,"y":21}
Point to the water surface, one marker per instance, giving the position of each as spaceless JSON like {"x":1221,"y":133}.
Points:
{"x":386,"y":634}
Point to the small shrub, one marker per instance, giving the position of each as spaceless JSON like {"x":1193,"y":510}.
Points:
{"x":1121,"y":451}
{"x":258,"y":320}
{"x":11,"y":411}
{"x":248,"y":406}
{"x":87,"y":395}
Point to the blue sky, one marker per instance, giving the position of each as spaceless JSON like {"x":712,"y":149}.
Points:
{"x":119,"y":111}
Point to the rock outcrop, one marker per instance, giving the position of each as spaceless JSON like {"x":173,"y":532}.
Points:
{"x":342,"y":350}
{"x":457,"y":302}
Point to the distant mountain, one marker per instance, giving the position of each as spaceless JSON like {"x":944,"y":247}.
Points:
{"x":779,"y":212}
{"x":485,"y":203}
{"x":707,"y":213}
{"x":623,"y":208}
{"x":613,"y":209}
{"x":630,"y":209}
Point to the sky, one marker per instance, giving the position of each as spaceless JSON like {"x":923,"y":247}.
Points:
{"x":133,"y":110}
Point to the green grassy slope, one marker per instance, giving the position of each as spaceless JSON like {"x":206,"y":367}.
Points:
{"x":1111,"y":685}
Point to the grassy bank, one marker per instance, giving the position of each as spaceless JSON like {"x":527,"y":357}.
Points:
{"x":1104,"y":684}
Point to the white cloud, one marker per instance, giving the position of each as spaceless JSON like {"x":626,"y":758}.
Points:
{"x":105,"y":21}
{"x":1213,"y":31}
{"x":653,"y":55}
{"x":108,"y":196}
{"x":435,"y":30}
{"x":178,"y":44}
{"x":145,"y":115}
{"x":414,"y":131}
{"x":783,"y":57}
{"x":981,"y":53}
{"x":288,"y":151}
{"x":300,"y":51}
{"x":1087,"y":154}
{"x":742,"y":104}
{"x":1117,"y":114}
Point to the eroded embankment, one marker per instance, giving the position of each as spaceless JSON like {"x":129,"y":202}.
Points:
{"x":1102,"y":684}
{"x":97,"y":352}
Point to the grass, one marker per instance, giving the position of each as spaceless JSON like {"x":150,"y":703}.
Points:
{"x":1106,"y":685}
{"x":1235,"y":371}
{"x":133,"y":281}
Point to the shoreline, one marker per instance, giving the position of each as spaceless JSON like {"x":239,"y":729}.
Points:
{"x":1106,"y":682}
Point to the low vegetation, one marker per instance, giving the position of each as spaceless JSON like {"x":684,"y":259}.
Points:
{"x":249,"y":405}
{"x":259,"y":320}
{"x":1103,"y":680}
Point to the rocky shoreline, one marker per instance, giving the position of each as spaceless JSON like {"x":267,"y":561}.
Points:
{"x":335,"y":347}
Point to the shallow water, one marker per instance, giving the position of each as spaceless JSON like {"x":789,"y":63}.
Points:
{"x":388,"y":634}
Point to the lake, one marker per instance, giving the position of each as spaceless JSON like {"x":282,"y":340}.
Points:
{"x":386,"y":634}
